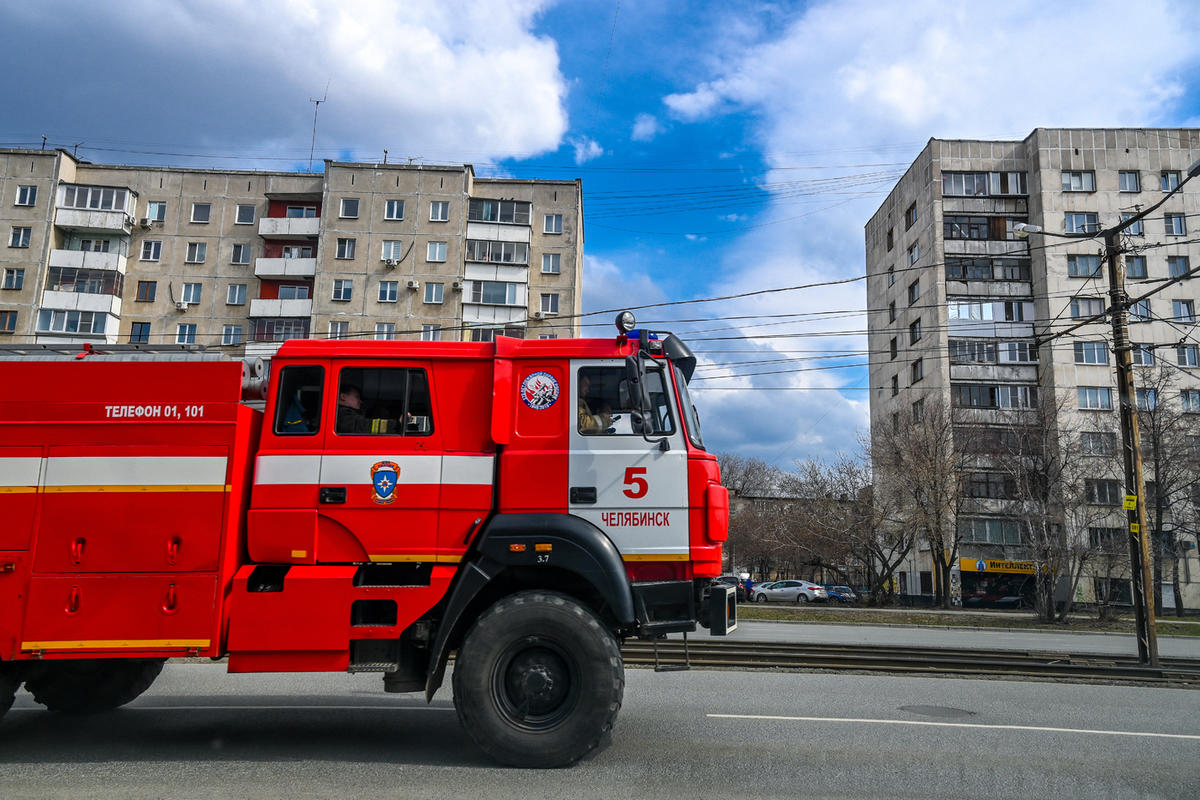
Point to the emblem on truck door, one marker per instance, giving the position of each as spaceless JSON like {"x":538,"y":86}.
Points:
{"x":384,"y":476}
{"x":539,"y":390}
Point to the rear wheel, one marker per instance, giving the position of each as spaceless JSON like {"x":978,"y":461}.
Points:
{"x":9,"y":682}
{"x":538,"y":681}
{"x":89,"y":687}
{"x":801,"y":598}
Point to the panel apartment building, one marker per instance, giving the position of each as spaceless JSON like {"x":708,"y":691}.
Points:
{"x":240,"y":261}
{"x":957,"y":298}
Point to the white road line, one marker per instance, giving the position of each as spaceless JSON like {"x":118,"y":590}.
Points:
{"x":1147,"y":734}
{"x":267,"y":708}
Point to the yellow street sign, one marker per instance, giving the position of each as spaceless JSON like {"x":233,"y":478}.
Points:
{"x":1135,"y":528}
{"x":1130,"y":502}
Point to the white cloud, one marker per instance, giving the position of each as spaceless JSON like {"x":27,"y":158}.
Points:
{"x":607,"y":285}
{"x":645,"y":128}
{"x":585,"y":148}
{"x":695,"y":237}
{"x":733,"y":217}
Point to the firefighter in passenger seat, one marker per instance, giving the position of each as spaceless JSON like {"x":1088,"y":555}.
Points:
{"x":589,"y":422}
{"x":350,"y":416}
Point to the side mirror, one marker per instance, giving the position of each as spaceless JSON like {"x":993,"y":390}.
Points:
{"x":635,"y":379}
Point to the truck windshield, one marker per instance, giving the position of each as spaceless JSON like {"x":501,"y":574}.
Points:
{"x":691,"y":421}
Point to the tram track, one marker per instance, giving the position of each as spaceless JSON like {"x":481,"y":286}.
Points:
{"x":731,"y":654}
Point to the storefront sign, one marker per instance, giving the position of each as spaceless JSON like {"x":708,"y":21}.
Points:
{"x":991,"y":565}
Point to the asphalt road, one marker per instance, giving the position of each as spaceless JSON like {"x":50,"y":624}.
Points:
{"x":702,"y":734}
{"x":1001,"y":638}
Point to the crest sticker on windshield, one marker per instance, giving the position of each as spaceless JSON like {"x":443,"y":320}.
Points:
{"x":539,"y":390}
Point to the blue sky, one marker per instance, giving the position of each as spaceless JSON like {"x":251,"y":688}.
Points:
{"x":724,"y":147}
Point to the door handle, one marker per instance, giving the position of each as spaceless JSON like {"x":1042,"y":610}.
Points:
{"x":583,"y":494}
{"x":333,"y":494}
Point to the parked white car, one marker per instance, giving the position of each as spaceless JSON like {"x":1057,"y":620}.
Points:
{"x":790,"y":592}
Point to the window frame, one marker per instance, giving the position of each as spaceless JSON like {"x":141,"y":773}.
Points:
{"x":238,"y":220}
{"x":207,"y":213}
{"x":235,"y":294}
{"x":389,"y":292}
{"x":389,"y":207}
{"x":349,"y":207}
{"x":554,"y":259}
{"x":435,"y":205}
{"x":343,"y":290}
{"x":552,"y":224}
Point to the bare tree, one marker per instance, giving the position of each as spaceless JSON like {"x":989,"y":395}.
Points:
{"x":750,"y":523}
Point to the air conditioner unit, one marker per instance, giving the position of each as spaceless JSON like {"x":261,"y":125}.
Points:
{"x":182,"y":305}
{"x":390,"y":263}
{"x":414,"y":284}
{"x":539,"y":314}
{"x":457,"y":285}
{"x":146,"y":222}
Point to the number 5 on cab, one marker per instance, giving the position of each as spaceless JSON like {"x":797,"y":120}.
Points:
{"x":636,"y":482}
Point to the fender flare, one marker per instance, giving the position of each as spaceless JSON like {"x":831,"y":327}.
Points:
{"x":574,"y":545}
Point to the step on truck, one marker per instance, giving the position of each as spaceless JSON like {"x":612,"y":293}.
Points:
{"x":522,"y":506}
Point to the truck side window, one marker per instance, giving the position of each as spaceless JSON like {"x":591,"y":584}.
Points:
{"x":388,"y":401}
{"x":606,"y":406}
{"x":298,"y":402}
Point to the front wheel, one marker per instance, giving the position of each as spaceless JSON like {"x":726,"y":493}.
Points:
{"x":89,"y":687}
{"x":762,"y":598}
{"x":538,"y":681}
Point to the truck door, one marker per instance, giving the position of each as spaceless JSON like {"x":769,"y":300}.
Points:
{"x":628,"y":474}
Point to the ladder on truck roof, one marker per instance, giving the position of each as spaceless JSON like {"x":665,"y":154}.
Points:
{"x":115,"y":352}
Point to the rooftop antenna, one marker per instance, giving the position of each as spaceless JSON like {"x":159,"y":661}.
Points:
{"x":316,"y":107}
{"x":385,"y":155}
{"x":75,"y":150}
{"x":43,"y":141}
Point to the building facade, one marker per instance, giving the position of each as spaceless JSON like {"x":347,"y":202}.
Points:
{"x":240,"y":260}
{"x":961,"y":308}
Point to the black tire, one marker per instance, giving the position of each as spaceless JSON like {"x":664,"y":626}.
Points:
{"x":9,"y":683}
{"x":89,"y":687}
{"x":762,"y":598}
{"x":538,"y":681}
{"x":801,"y":598}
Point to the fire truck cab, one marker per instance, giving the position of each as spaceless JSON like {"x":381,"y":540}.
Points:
{"x":522,"y":505}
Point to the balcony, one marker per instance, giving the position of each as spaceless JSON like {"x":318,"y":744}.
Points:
{"x":285,"y":267}
{"x":289,"y":227}
{"x":476,"y":313}
{"x":497,"y":232}
{"x":80,"y":301}
{"x":78,"y":219}
{"x":261,"y":307}
{"x":88,"y":259}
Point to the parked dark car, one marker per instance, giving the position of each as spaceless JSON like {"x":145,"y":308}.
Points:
{"x":733,"y":580}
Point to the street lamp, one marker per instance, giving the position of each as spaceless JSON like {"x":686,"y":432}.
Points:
{"x":1139,"y":536}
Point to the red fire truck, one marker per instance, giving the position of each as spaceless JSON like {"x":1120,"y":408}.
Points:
{"x":523,"y":505}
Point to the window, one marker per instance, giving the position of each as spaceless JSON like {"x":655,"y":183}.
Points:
{"x":514,"y":211}
{"x":1135,"y":266}
{"x":241,"y":254}
{"x":895,"y":385}
{"x":85,"y":281}
{"x":391,"y":401}
{"x":1011,"y":269}
{"x":892,"y":311}
{"x":431,"y":333}
{"x":235,"y":294}
{"x":963,"y":227}
{"x":993,"y":485}
{"x":185,"y":333}
{"x":893,"y":348}
{"x":1102,"y":492}
{"x":393,"y":209}
{"x":296,"y":251}
{"x":8,"y":321}
{"x":553,"y":223}
{"x":918,"y":410}
{"x":914,"y":253}
{"x":964,"y":184}
{"x":969,"y":310}
{"x":1129,"y":181}
{"x":914,"y":291}
{"x":603,"y":400}
{"x":196,"y":252}
{"x":339,"y":330}
{"x":551,"y":263}
{"x":156,"y":211}
{"x":968,"y":351}
{"x":1098,"y":443}
{"x":95,"y":198}
{"x":345,"y":248}
{"x":1141,"y":355}
{"x":891,"y":241}
{"x":95,"y":245}
{"x":973,"y":395}
{"x":916,"y":370}
{"x":393,"y":250}
{"x":14,"y":279}
{"x":349,"y":208}
{"x":280,"y":330}
{"x":343,"y":289}
{"x":1176,"y":224}
{"x":146,"y":291}
{"x":1169,"y":180}
{"x":298,"y":402}
{"x":439,"y":211}
{"x":201,"y":212}
{"x":1187,"y":355}
{"x":914,"y":332}
{"x":388,"y":291}
{"x":1018,"y":353}
{"x":1016,"y":311}
{"x":26,"y":195}
{"x":1091,"y":353}
{"x":1083,"y":266}
{"x":494,"y":293}
{"x":990,"y":530}
{"x":300,"y":212}
{"x":434,"y":292}
{"x":910,"y":216}
{"x":436,"y":251}
{"x":1190,"y":398}
{"x":1081,"y":222}
{"x":1083,"y":307}
{"x":1078,"y":181}
{"x":191,"y":292}
{"x":1095,"y":398}
{"x":20,"y":237}
{"x":968,"y":269}
{"x":139,"y":333}
{"x":1008,"y":396}
{"x":245,"y":214}
{"x":497,"y":252}
{"x":891,"y":273}
{"x":1135,"y":229}
{"x":550,"y":303}
{"x":1147,"y":399}
{"x":231,"y":335}
{"x":385,"y":331}
{"x":1140,"y":311}
{"x":1183,"y":310}
{"x":1178,"y":266}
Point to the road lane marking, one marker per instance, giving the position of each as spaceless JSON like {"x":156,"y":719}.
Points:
{"x":265,"y":708}
{"x":1148,"y":734}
